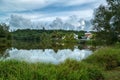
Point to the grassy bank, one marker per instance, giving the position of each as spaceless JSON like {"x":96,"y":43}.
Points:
{"x":69,"y":70}
{"x":107,"y":58}
{"x":103,"y":64}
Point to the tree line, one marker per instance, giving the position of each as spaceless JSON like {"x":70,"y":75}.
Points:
{"x":46,"y":35}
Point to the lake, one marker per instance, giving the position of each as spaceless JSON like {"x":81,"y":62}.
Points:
{"x":48,"y":53}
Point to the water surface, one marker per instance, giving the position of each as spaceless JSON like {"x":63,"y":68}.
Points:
{"x":48,"y":54}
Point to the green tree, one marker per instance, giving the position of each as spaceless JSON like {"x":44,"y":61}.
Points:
{"x":114,"y":6}
{"x":5,"y":36}
{"x":4,"y":33}
{"x":106,"y":22}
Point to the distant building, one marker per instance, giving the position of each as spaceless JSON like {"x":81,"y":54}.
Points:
{"x":88,"y":35}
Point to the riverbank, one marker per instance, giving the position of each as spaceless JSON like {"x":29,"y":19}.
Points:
{"x":101,"y":65}
{"x":108,"y":59}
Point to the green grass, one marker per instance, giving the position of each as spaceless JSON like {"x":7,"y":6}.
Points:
{"x":113,"y":74}
{"x":107,"y":58}
{"x":69,"y":70}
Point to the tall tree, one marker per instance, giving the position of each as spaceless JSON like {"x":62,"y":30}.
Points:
{"x":106,"y":21}
{"x":114,"y":7}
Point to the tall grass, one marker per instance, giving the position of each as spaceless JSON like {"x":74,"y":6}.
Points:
{"x":69,"y":70}
{"x":107,"y":58}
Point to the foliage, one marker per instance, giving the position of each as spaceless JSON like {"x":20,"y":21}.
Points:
{"x":4,"y":33}
{"x":5,"y":36}
{"x":114,"y":6}
{"x":45,"y":36}
{"x":106,"y":22}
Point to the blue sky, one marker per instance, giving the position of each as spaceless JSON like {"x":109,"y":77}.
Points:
{"x":48,"y":10}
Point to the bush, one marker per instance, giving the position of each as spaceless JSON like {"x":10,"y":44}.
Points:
{"x":107,"y":58}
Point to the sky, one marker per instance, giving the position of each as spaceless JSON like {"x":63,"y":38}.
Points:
{"x":48,"y":10}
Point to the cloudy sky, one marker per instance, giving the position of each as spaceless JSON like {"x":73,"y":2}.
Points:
{"x":47,"y":10}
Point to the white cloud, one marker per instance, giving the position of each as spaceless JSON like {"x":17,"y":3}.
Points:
{"x":86,"y":14}
{"x":82,"y":13}
{"x":30,"y":15}
{"x":50,"y":19}
{"x":9,"y":7}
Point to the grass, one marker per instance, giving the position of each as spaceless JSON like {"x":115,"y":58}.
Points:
{"x":103,"y":64}
{"x":107,"y":58}
{"x":113,"y":74}
{"x":69,"y":70}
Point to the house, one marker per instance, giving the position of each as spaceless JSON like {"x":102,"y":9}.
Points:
{"x":88,"y":35}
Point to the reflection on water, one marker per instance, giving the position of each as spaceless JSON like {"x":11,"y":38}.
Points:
{"x":47,"y":55}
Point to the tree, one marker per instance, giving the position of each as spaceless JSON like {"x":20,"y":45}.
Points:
{"x":114,"y":6}
{"x":106,"y":21}
{"x":5,"y":36}
{"x":4,"y":31}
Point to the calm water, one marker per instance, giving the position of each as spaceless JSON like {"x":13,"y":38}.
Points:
{"x":37,"y":52}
